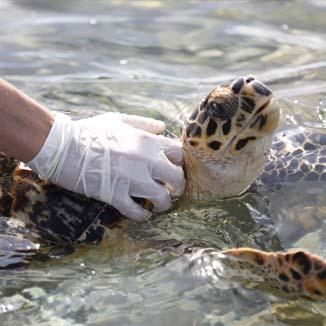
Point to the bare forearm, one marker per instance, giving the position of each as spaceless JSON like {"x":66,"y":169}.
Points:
{"x":24,"y":124}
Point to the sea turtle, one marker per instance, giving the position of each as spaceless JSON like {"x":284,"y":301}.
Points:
{"x":226,"y":143}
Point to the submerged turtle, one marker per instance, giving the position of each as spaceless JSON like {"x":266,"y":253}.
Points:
{"x":226,"y":143}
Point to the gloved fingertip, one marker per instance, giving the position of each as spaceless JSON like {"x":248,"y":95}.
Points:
{"x":141,"y":216}
{"x":162,"y":204}
{"x":147,"y":124}
{"x":159,"y":126}
{"x":172,"y":149}
{"x":177,"y":192}
{"x":178,"y":187}
{"x":153,"y":126}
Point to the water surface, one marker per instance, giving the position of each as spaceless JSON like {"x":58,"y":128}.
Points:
{"x":159,"y":58}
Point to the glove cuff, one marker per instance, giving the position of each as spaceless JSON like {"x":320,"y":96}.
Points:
{"x":46,"y":161}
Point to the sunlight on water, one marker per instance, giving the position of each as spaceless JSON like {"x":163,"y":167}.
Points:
{"x":159,"y":58}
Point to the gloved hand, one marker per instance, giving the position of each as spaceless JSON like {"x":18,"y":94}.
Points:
{"x":113,"y":157}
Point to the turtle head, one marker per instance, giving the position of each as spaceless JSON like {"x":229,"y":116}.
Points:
{"x":227,"y":138}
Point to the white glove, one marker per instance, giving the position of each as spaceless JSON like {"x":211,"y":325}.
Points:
{"x":113,"y":157}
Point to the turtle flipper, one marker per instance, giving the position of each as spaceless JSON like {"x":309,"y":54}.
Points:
{"x":296,"y":155}
{"x":18,"y":244}
{"x":296,"y":273}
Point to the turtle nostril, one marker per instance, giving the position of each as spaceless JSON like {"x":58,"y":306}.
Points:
{"x":249,"y":79}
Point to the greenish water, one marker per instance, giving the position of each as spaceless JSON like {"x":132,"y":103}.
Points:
{"x":159,"y":58}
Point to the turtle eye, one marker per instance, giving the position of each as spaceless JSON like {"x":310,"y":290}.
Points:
{"x":223,"y":108}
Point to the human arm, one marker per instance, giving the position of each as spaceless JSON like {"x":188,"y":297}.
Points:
{"x":24,"y":123}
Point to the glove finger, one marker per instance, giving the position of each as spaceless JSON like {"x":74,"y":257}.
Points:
{"x":147,"y":124}
{"x":129,"y":208}
{"x":160,"y":198}
{"x":172,"y":148}
{"x":171,"y":175}
{"x":156,"y":193}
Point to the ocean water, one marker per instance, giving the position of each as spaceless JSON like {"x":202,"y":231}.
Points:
{"x":159,"y":58}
